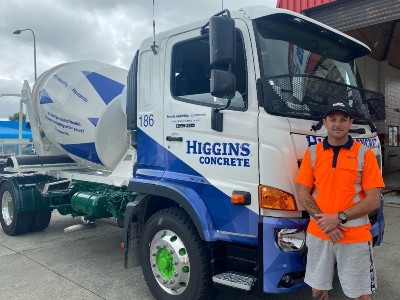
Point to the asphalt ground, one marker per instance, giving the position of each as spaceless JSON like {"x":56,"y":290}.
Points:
{"x":88,"y":264}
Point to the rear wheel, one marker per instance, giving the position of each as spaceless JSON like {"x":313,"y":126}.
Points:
{"x":41,"y":220}
{"x":12,"y":222}
{"x":2,"y":166}
{"x":174,"y":259}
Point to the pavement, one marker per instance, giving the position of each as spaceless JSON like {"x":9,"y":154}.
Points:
{"x":392,"y":183}
{"x":88,"y":264}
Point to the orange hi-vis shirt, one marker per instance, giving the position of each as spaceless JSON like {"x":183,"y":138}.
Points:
{"x":338,"y":181}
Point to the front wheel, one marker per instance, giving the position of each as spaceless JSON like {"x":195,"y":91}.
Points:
{"x":174,"y":259}
{"x":12,"y":222}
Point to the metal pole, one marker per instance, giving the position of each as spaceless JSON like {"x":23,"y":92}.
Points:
{"x":154,"y":27}
{"x":154,"y":46}
{"x":34,"y":47}
{"x":21,"y":113}
{"x":34,"y":53}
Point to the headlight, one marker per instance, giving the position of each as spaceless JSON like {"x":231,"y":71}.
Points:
{"x":273,"y":198}
{"x":290,"y":240}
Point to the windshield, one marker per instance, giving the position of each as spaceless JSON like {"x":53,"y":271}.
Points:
{"x":305,"y":66}
{"x":284,"y":58}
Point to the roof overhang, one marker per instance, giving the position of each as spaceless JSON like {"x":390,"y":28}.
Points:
{"x":376,"y":23}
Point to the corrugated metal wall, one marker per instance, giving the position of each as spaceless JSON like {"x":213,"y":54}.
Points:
{"x":299,"y":5}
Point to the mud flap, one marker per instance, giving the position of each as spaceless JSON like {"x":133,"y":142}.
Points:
{"x":132,"y":232}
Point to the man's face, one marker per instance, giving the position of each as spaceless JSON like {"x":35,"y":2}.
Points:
{"x":338,"y":124}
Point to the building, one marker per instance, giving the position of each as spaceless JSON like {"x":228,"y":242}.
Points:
{"x":10,"y":143}
{"x":375,"y":23}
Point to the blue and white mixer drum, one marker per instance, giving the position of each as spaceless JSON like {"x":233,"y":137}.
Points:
{"x":79,"y":108}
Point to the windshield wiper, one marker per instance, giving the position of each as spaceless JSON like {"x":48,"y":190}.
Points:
{"x":317,"y":126}
{"x":358,"y":130}
{"x":372,"y":126}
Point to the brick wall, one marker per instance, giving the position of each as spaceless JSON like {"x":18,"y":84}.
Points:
{"x":392,"y":96}
{"x":380,"y":77}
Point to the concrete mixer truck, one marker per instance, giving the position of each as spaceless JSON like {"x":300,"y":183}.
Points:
{"x":194,"y":150}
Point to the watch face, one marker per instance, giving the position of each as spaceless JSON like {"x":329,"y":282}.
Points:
{"x":342,"y":216}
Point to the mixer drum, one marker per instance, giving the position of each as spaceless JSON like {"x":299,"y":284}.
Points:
{"x":79,"y":108}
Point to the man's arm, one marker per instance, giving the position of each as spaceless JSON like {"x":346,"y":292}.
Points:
{"x":308,"y":202}
{"x":367,"y":205}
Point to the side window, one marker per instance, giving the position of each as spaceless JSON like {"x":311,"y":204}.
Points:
{"x":190,"y":75}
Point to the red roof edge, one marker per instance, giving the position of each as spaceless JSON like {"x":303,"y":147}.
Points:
{"x":299,"y":5}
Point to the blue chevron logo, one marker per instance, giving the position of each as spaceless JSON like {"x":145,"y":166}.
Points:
{"x":107,"y":88}
{"x":84,"y":150}
{"x":94,"y":121}
{"x":44,"y":97}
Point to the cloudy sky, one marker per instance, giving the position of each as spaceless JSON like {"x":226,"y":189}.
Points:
{"x":69,"y":30}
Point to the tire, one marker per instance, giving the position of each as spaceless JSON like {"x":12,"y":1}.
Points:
{"x":2,"y":166}
{"x":12,"y":222}
{"x":174,"y":259}
{"x":41,"y":220}
{"x":120,"y":223}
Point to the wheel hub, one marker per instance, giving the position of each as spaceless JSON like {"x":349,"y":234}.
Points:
{"x":170,"y":262}
{"x":165,"y":263}
{"x":7,"y":208}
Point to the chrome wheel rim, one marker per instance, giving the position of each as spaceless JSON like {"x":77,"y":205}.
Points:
{"x":7,"y":208}
{"x":170,"y":262}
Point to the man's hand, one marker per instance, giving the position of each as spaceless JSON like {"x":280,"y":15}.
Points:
{"x":328,"y":222}
{"x":335,"y":234}
{"x":331,"y":225}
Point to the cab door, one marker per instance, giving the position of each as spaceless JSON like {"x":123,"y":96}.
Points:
{"x":214,"y":164}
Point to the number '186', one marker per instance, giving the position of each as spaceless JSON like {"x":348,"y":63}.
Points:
{"x":146,"y":120}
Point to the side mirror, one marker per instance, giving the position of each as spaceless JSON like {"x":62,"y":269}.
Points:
{"x":217,"y":120}
{"x":222,"y":41}
{"x":222,"y":84}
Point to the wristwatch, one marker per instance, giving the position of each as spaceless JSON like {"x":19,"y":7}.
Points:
{"x":342,"y":217}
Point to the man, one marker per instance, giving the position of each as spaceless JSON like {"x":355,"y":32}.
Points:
{"x":339,"y":184}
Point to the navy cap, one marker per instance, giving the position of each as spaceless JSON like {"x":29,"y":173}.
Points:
{"x":337,"y":106}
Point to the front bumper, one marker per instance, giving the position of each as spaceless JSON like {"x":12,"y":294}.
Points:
{"x":276,"y":263}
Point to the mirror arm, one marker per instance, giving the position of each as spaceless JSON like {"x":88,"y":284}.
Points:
{"x":218,"y":109}
{"x":204,"y":29}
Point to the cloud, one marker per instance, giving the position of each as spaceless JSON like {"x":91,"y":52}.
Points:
{"x":10,"y":104}
{"x":71,"y":30}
